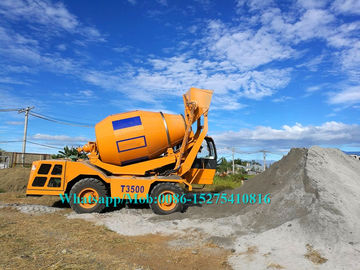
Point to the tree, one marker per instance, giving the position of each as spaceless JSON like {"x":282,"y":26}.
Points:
{"x":253,"y":162}
{"x":240,"y":162}
{"x":223,"y":165}
{"x":70,"y":152}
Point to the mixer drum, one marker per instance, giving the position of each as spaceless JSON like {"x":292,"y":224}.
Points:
{"x":137,"y":136}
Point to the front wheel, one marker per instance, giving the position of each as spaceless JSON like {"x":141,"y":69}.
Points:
{"x":166,"y":199}
{"x":88,"y":192}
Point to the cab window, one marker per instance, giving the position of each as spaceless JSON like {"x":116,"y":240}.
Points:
{"x":206,"y":150}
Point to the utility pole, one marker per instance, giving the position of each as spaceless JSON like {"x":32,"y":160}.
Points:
{"x":264,"y":156}
{"x":264,"y":153}
{"x":233,"y":161}
{"x":27,"y":110}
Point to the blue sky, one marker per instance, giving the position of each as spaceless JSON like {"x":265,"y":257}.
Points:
{"x":284,"y":73}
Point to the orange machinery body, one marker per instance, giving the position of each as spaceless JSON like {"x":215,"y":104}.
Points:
{"x":134,"y":151}
{"x":58,"y":176}
{"x":137,"y":136}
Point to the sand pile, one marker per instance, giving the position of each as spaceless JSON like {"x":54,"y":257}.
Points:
{"x":14,"y":179}
{"x":314,"y":211}
{"x":313,"y":217}
{"x":285,"y":181}
{"x":312,"y":222}
{"x":320,"y":183}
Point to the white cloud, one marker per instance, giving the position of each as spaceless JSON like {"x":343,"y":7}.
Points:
{"x":312,"y":64}
{"x":87,"y":93}
{"x":348,"y":96}
{"x":316,"y":88}
{"x":42,"y":12}
{"x":17,"y":46}
{"x":59,"y":138}
{"x":282,"y":99}
{"x":329,"y":133}
{"x":82,"y":97}
{"x":229,"y":57}
{"x":309,"y":4}
{"x":254,"y":5}
{"x":122,"y":49}
{"x":14,"y":123}
{"x":10,"y":100}
{"x":8,"y":80}
{"x":162,"y":2}
{"x":313,"y":23}
{"x":289,"y":29}
{"x":347,"y":6}
{"x":61,"y":47}
{"x":226,"y":102}
{"x":313,"y":88}
{"x":24,"y":50}
{"x":174,"y":75}
{"x":245,"y":49}
{"x":350,"y":61}
{"x":315,"y":20}
{"x":47,"y":14}
{"x":236,"y":60}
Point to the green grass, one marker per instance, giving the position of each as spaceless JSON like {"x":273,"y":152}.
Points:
{"x":227,"y":182}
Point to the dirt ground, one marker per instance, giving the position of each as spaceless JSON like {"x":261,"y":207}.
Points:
{"x":52,"y":241}
{"x":312,"y":222}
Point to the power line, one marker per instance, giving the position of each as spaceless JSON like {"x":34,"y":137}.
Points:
{"x":26,"y":111}
{"x":264,"y":152}
{"x":60,"y":121}
{"x":254,"y":152}
{"x":48,"y":118}
{"x":11,"y":110}
{"x":45,"y":145}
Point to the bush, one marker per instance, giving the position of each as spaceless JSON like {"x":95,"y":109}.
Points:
{"x":227,"y":182}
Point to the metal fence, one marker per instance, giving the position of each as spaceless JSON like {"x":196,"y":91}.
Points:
{"x":13,"y":159}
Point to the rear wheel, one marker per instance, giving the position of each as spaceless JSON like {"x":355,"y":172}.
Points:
{"x":87,"y":192}
{"x":166,"y":199}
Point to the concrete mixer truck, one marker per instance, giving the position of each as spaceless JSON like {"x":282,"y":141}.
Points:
{"x":139,"y":156}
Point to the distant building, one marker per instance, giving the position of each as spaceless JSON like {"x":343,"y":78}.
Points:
{"x":250,"y":169}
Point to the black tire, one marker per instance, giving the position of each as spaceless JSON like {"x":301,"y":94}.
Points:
{"x":159,"y":189}
{"x":83,"y":184}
